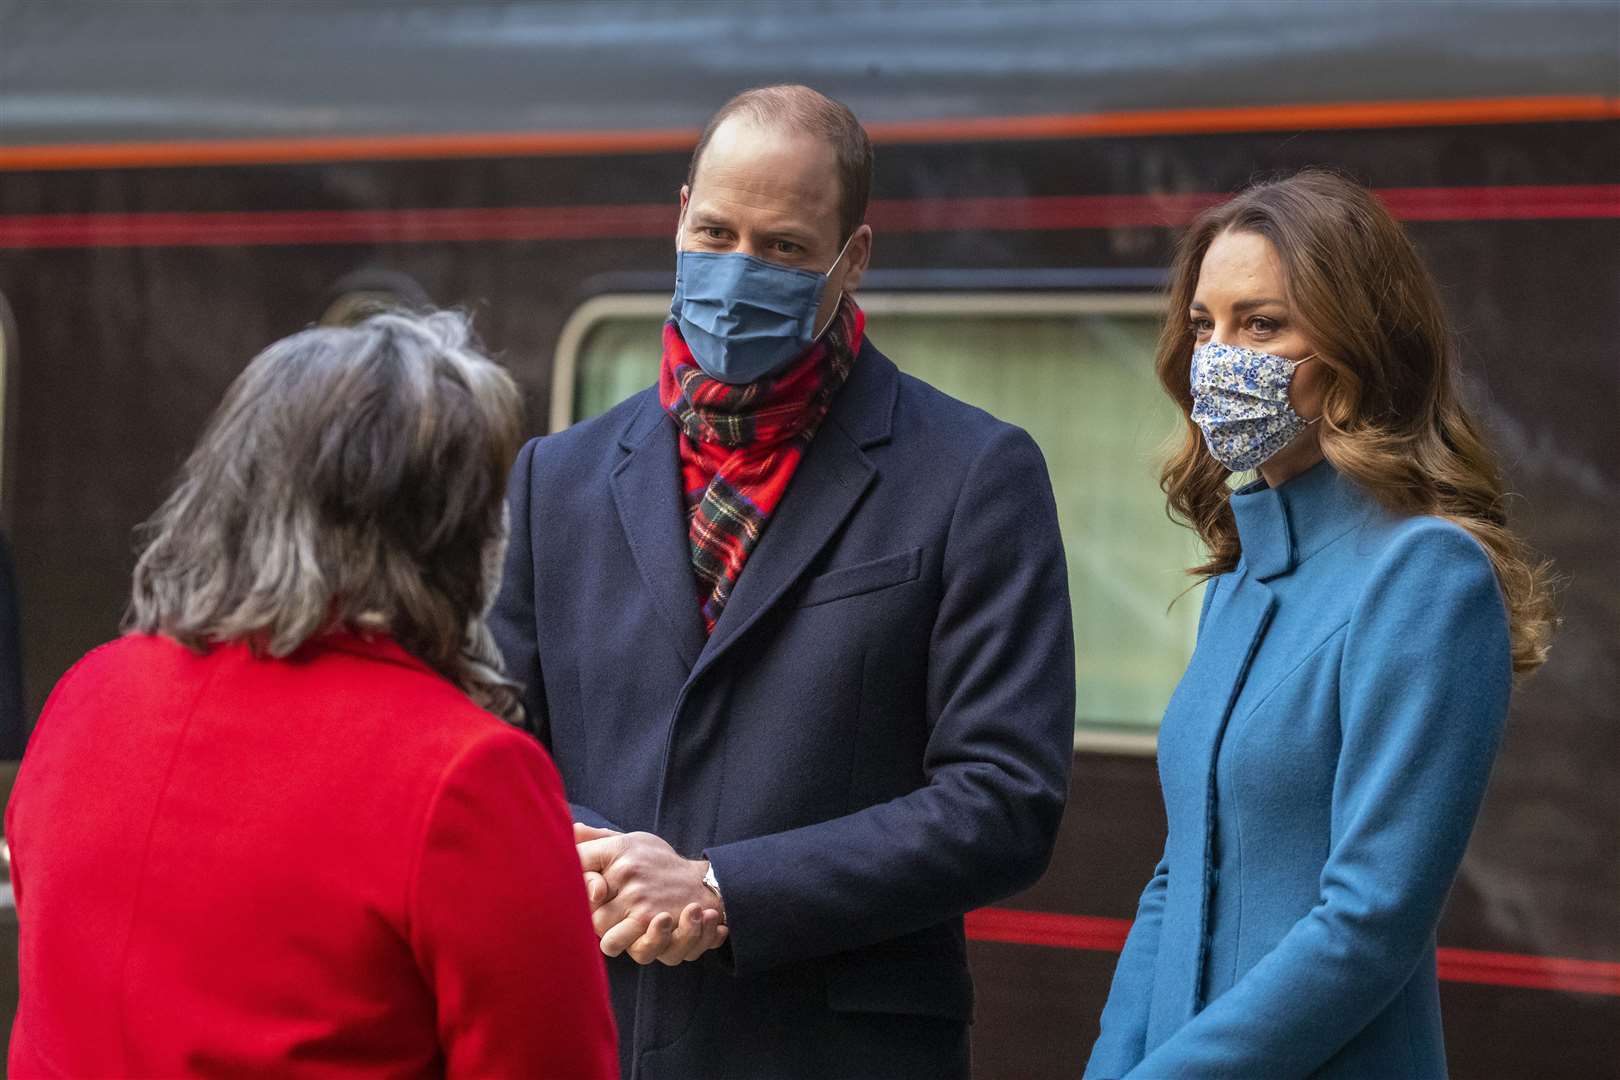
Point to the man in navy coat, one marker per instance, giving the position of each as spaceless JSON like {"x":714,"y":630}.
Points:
{"x":795,"y":628}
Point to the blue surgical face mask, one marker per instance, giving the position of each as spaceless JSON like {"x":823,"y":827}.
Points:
{"x":1240,"y":401}
{"x":744,"y":318}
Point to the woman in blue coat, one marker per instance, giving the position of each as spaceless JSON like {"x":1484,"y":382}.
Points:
{"x":1324,"y":757}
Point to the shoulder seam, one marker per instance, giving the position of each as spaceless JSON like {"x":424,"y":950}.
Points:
{"x":414,"y":870}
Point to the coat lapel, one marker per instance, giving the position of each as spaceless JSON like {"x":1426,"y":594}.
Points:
{"x":1216,"y":674}
{"x":646,"y":491}
{"x":829,"y":484}
{"x":831,"y":480}
{"x":1220,"y":665}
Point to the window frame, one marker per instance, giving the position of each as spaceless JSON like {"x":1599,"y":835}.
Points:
{"x":982,"y":304}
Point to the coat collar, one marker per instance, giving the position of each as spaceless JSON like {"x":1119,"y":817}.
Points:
{"x":1279,"y":528}
{"x":825,"y":490}
{"x":646,"y":489}
{"x":372,"y":646}
{"x":864,"y":409}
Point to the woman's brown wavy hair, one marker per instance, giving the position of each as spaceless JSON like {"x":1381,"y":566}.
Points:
{"x":1392,"y":418}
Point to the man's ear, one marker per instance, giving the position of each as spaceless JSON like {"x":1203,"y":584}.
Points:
{"x":857,"y":258}
{"x":686,"y":197}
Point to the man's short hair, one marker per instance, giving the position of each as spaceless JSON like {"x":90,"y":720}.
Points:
{"x":801,"y":109}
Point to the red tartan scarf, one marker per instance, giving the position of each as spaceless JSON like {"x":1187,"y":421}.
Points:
{"x":741,"y":444}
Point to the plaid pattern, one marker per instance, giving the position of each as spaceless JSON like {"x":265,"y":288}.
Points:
{"x":741,"y":445}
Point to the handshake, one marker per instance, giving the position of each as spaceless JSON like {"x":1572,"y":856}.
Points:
{"x":646,"y":900}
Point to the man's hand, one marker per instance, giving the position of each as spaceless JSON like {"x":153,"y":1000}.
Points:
{"x":646,"y":900}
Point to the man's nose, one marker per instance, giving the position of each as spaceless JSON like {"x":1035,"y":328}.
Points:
{"x":746,"y":246}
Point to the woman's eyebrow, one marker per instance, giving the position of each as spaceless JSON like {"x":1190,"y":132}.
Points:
{"x":1241,"y":305}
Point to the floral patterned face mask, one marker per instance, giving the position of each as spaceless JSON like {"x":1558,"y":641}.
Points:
{"x":1240,"y":401}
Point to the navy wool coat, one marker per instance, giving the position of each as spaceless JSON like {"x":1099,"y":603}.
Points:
{"x":1322,"y":761}
{"x":875,"y":739}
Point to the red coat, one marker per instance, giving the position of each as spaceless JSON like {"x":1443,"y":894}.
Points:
{"x":334,"y":865}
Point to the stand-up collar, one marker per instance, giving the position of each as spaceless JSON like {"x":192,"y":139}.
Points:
{"x":1279,"y":528}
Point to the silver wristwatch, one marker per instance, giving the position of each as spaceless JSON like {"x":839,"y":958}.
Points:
{"x":712,"y":882}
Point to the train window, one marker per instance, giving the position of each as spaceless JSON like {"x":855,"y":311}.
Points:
{"x":1076,"y":372}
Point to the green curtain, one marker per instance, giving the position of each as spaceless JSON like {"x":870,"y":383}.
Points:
{"x":1083,"y":386}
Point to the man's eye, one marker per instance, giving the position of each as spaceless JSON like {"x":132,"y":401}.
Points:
{"x":787,"y":247}
{"x":714,"y":233}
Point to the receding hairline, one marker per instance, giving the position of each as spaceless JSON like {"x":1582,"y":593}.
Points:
{"x":798,"y":109}
{"x":765,"y":127}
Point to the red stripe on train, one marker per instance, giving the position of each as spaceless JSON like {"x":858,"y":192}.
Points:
{"x":535,"y":223}
{"x":1091,"y":932}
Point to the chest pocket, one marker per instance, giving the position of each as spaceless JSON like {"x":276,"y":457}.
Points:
{"x":867,"y":577}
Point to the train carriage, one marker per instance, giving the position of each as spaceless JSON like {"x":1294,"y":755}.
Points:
{"x":182,"y":183}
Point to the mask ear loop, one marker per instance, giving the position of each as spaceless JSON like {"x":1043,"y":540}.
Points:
{"x":828,"y":276}
{"x":1296,"y":364}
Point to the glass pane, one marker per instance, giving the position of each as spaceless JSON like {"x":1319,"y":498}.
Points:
{"x":1083,"y":386}
{"x":617,"y":358}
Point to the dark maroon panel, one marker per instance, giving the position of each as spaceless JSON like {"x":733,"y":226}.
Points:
{"x":1038,"y":1010}
{"x":1038,"y":1006}
{"x":123,"y":352}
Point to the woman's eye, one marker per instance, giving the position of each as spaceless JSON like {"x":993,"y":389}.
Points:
{"x":1200,"y":327}
{"x":1262,"y":325}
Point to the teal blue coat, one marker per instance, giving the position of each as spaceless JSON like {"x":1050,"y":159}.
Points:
{"x":1322,"y":762}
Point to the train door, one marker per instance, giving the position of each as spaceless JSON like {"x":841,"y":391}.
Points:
{"x":12,"y":730}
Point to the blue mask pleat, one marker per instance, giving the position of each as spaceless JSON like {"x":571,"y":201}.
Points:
{"x":743,"y":318}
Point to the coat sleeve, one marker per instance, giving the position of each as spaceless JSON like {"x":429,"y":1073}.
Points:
{"x":1125,"y":1018}
{"x":1424,"y":685}
{"x":1001,"y":713}
{"x":1123,"y":1039}
{"x":512,"y":617}
{"x":499,"y":923}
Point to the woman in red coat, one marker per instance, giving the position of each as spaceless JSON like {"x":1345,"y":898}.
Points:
{"x":275,"y":829}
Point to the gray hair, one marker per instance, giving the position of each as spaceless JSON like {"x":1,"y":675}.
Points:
{"x":352,"y":477}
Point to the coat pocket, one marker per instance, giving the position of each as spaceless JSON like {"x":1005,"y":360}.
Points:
{"x":847,"y":581}
{"x":901,"y":982}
